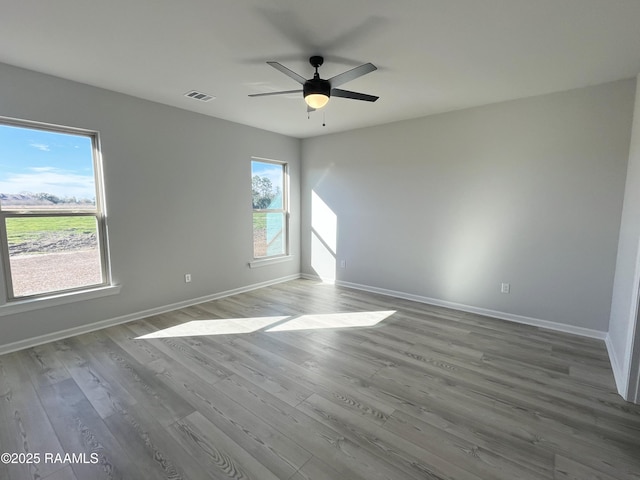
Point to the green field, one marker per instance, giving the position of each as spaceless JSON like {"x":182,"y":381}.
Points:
{"x":259,"y":221}
{"x":20,"y":230}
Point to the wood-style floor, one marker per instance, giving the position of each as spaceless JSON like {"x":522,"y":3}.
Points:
{"x":374,"y":388}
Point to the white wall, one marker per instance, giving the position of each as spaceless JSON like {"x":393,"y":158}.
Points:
{"x":624,"y":306}
{"x":178,"y":193}
{"x":449,"y":206}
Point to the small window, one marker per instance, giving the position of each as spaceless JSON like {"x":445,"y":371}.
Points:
{"x":270,"y":203}
{"x":52,"y":221}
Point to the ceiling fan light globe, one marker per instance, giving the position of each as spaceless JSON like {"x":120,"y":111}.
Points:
{"x":316,"y":100}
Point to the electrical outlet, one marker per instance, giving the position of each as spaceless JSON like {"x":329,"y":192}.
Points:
{"x":343,"y":263}
{"x":187,"y":278}
{"x":505,"y":288}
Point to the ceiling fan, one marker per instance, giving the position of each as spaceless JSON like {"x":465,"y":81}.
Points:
{"x":316,"y":91}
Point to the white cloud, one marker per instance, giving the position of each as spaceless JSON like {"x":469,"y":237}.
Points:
{"x":41,"y":146}
{"x":50,"y":181}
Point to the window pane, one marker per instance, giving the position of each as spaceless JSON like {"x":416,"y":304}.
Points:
{"x":267,"y":182}
{"x":45,"y":169}
{"x":269,"y":234}
{"x":48,"y":254}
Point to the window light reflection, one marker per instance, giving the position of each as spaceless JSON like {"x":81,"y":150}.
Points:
{"x":233,"y":326}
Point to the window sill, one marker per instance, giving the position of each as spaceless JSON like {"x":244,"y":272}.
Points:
{"x":20,"y":306}
{"x":263,"y":262}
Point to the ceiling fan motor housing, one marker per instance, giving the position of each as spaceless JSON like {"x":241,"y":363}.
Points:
{"x":316,"y":86}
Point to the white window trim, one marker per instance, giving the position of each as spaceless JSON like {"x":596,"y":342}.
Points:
{"x":36,"y":303}
{"x":9,"y":304}
{"x":265,"y":262}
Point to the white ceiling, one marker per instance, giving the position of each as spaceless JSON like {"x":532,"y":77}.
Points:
{"x":432,"y":55}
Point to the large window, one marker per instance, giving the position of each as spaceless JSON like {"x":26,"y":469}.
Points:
{"x":52,"y":222}
{"x":270,"y":217}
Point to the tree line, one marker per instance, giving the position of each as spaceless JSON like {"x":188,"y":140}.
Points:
{"x":44,"y":197}
{"x":263,"y":192}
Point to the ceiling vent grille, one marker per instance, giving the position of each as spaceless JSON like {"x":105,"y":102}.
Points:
{"x":203,"y":97}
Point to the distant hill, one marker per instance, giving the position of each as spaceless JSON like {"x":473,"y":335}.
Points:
{"x":40,"y":199}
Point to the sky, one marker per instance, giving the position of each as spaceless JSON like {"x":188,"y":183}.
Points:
{"x":39,"y":161}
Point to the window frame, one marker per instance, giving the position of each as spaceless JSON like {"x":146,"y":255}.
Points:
{"x":284,"y":211}
{"x":98,"y":212}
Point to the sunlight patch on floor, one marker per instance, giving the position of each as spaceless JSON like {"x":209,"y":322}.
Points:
{"x":231,"y":326}
{"x":223,"y":326}
{"x":332,"y":320}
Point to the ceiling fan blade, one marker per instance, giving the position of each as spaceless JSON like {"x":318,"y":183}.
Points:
{"x":289,"y":73}
{"x":338,"y":92}
{"x":352,"y":74}
{"x":274,"y":93}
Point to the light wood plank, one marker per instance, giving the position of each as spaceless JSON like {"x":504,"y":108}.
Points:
{"x":275,"y":451}
{"x":315,"y":469}
{"x":82,"y":431}
{"x":65,"y":473}
{"x":345,"y":456}
{"x":409,"y":458}
{"x":219,"y":455}
{"x":24,"y":425}
{"x":566,"y":469}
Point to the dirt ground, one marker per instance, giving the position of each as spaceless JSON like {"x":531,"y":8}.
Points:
{"x":55,"y":271}
{"x":55,"y":242}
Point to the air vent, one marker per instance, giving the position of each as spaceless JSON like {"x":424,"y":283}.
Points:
{"x":203,"y":97}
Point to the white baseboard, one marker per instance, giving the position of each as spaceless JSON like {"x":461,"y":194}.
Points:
{"x":536,"y":322}
{"x":618,"y":371}
{"x":71,"y":332}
